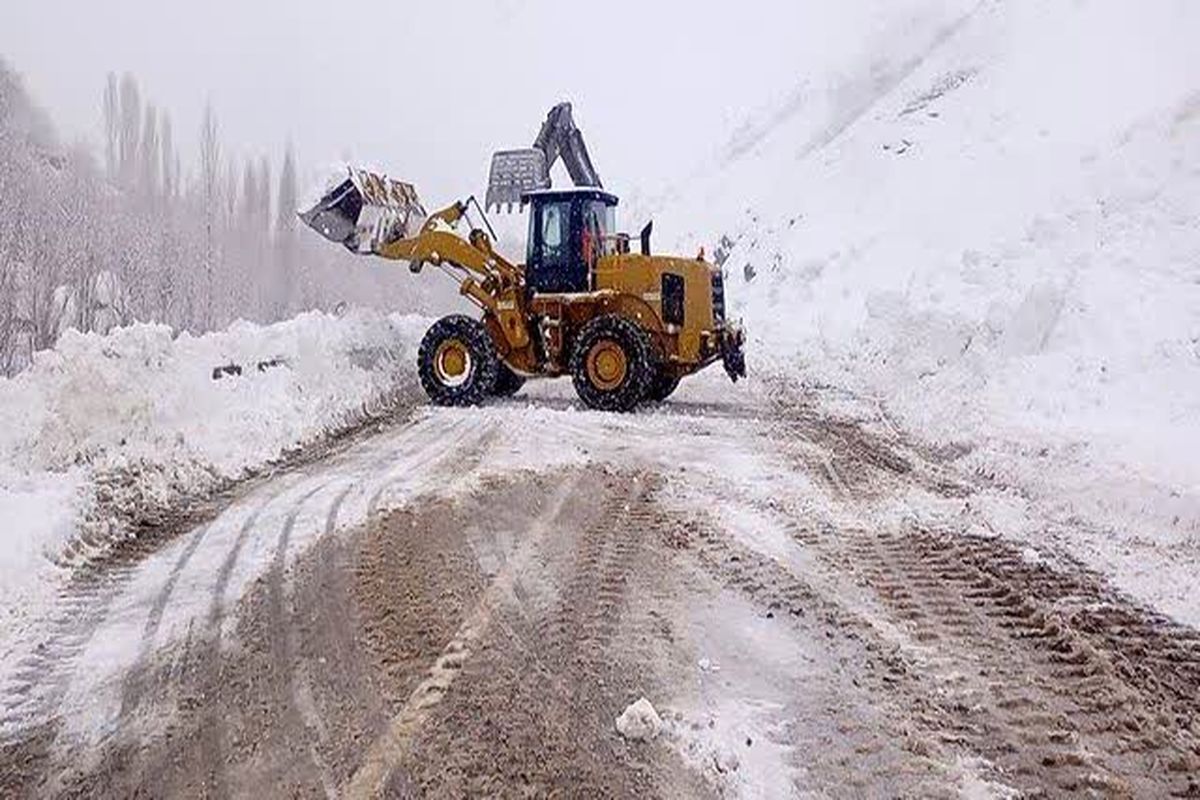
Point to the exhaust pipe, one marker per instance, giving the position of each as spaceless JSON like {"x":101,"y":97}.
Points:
{"x":645,"y":237}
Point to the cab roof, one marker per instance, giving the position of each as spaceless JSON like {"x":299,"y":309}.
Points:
{"x":570,"y":193}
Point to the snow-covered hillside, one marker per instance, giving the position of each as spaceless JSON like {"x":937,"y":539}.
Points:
{"x":992,"y":227}
{"x":136,"y":423}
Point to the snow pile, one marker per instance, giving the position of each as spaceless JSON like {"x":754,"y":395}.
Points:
{"x":995,"y":234}
{"x":102,"y":430}
{"x":639,"y":721}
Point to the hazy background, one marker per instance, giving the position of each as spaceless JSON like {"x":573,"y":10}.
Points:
{"x":153,"y":153}
{"x":429,"y":90}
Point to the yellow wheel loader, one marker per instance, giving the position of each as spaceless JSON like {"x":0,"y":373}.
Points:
{"x":625,"y":326}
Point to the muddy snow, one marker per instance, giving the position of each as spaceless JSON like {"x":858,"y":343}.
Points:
{"x":467,"y":601}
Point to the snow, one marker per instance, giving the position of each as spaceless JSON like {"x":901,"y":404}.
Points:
{"x":986,"y":230}
{"x":639,"y":721}
{"x":731,"y":722}
{"x":102,"y":428}
{"x":570,"y":190}
{"x":981,"y":225}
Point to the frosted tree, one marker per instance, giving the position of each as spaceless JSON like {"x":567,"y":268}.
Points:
{"x":130,"y":129}
{"x":166,"y":157}
{"x":231,"y":196}
{"x":148,"y":173}
{"x":210,"y":185}
{"x":170,"y":251}
{"x":260,"y":244}
{"x":285,"y":232}
{"x":247,"y":219}
{"x":112,"y":126}
{"x":263,"y":211}
{"x":81,"y":247}
{"x":287,"y":198}
{"x":9,"y":227}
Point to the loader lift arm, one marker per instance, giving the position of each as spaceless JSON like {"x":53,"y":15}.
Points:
{"x":484,"y":276}
{"x":515,"y":172}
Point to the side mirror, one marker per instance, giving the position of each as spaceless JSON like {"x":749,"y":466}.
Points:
{"x":645,"y":236}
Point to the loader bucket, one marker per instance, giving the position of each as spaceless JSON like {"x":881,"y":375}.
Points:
{"x":335,"y":216}
{"x":365,"y":210}
{"x":513,"y":173}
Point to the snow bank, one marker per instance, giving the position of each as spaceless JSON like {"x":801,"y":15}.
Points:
{"x":103,"y":429}
{"x":993,"y":231}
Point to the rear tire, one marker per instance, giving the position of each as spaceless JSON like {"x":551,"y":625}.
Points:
{"x":457,"y":362}
{"x":611,"y":364}
{"x":662,"y":386}
{"x":508,"y":382}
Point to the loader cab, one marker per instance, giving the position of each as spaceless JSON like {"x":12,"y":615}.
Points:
{"x":569,"y":230}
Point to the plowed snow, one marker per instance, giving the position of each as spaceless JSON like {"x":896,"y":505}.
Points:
{"x":463,"y":604}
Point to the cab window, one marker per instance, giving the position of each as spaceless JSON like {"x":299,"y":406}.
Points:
{"x":554,"y":228}
{"x":599,"y":225}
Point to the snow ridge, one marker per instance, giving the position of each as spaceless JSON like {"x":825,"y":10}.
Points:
{"x":102,"y":433}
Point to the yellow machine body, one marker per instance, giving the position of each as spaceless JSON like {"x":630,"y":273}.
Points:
{"x":533,"y":331}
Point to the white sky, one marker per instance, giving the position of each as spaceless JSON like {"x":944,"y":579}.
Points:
{"x":429,"y":90}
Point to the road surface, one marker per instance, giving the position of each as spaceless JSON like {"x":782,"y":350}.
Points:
{"x":463,"y":602}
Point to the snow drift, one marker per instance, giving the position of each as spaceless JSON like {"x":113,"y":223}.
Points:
{"x":102,"y":430}
{"x":1017,"y":219}
{"x":989,"y":227}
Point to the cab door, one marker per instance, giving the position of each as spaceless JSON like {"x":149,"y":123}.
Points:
{"x":555,"y":263}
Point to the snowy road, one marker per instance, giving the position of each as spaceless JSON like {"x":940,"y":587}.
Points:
{"x":463,"y":603}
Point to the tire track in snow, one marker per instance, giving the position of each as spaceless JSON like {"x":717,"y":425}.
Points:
{"x":280,"y":642}
{"x":302,"y":689}
{"x":216,"y":608}
{"x":1027,"y":676}
{"x":225,"y":572}
{"x":35,"y":688}
{"x":135,"y":683}
{"x":435,"y":453}
{"x":201,"y":648}
{"x":279,"y":562}
{"x":34,"y":691}
{"x":391,"y":747}
{"x":434,"y":450}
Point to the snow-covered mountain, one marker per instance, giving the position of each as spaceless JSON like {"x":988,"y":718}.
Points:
{"x":991,"y":225}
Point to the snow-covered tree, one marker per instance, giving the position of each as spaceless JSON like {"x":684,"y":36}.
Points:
{"x":210,"y":178}
{"x":89,"y":245}
{"x":130,"y":130}
{"x":166,"y":157}
{"x":148,"y":176}
{"x":285,"y":232}
{"x":112,"y":126}
{"x":262,"y":218}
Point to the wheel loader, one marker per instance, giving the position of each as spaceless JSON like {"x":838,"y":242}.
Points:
{"x":626,"y":326}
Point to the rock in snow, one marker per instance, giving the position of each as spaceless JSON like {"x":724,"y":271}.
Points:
{"x":639,"y":722}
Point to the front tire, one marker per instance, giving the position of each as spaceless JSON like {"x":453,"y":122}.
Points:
{"x":611,"y":364}
{"x":457,"y":362}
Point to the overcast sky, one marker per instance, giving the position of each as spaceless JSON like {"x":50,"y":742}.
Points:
{"x":429,"y":90}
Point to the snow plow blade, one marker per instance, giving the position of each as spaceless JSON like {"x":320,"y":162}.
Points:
{"x":364,"y":211}
{"x":733,"y":354}
{"x":513,"y":173}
